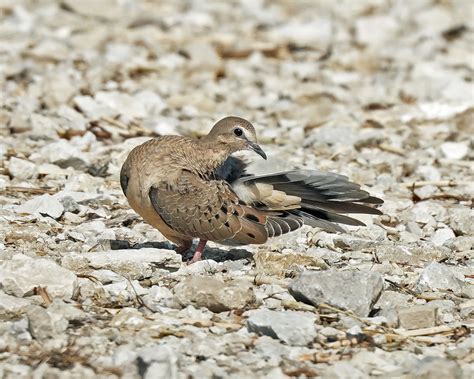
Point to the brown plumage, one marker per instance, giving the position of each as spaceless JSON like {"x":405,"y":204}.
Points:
{"x":189,"y":189}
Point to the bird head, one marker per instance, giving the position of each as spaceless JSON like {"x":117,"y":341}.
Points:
{"x":236,"y":134}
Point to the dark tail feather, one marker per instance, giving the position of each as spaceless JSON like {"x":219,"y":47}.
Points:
{"x":340,"y":207}
{"x":324,"y":196}
{"x":316,"y":222}
{"x":277,"y":226}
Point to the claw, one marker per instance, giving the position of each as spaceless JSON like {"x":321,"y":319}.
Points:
{"x":199,"y":250}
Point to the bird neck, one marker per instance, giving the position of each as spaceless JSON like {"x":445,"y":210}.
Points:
{"x":211,"y":155}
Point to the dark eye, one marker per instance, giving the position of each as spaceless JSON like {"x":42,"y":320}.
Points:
{"x":238,"y":132}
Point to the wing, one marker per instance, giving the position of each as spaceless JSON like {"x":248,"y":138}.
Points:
{"x":320,"y":199}
{"x":208,"y":210}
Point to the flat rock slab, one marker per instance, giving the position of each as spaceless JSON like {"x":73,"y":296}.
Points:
{"x":45,"y":205}
{"x":409,"y":253}
{"x":350,"y":290}
{"x":280,"y":264}
{"x":436,"y":368}
{"x":20,"y":277}
{"x":417,"y":317}
{"x":44,"y":324}
{"x":440,"y":277}
{"x":133,"y":263}
{"x":214,"y":294}
{"x":294,"y":328}
{"x":12,"y":307}
{"x":101,"y":259}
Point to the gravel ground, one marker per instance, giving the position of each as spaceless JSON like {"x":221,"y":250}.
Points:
{"x":380,"y":91}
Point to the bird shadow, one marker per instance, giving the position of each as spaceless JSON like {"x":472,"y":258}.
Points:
{"x":214,"y":253}
{"x":220,"y":255}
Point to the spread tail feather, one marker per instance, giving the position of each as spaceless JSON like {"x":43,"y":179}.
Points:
{"x":315,"y":198}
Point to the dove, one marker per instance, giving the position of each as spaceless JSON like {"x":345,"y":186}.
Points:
{"x":192,"y":189}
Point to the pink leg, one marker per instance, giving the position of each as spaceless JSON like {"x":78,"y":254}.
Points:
{"x":199,"y":249}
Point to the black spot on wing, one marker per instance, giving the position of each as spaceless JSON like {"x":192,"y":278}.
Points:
{"x":251,"y":217}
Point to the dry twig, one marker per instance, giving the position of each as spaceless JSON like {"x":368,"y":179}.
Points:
{"x":438,"y":183}
{"x":34,"y":191}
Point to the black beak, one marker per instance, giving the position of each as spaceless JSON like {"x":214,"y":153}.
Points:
{"x":253,"y":146}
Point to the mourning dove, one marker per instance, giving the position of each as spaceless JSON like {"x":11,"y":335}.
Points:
{"x":193,"y":188}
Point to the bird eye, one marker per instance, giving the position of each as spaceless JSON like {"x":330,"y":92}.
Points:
{"x":238,"y":132}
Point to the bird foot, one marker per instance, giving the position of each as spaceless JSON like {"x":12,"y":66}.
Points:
{"x":196,"y":258}
{"x":198,"y":253}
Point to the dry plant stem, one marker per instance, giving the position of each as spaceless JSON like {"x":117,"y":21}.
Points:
{"x":260,"y":279}
{"x":392,"y":149}
{"x":425,"y":331}
{"x":33,"y":191}
{"x":438,"y":183}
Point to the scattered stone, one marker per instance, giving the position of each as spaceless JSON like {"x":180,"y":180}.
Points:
{"x":425,"y":212}
{"x":285,"y":263}
{"x":203,"y":55}
{"x":45,"y":324}
{"x":50,"y":50}
{"x":417,"y":317}
{"x":70,"y":205}
{"x":92,"y":108}
{"x":106,"y":9}
{"x":461,"y":243}
{"x":441,"y":236}
{"x":122,"y":103}
{"x":331,"y":287}
{"x":134,"y":263}
{"x":438,"y":276}
{"x":214,"y":294}
{"x":20,"y":277}
{"x":386,"y":30}
{"x":410,"y":253}
{"x":69,"y":311}
{"x":331,"y":332}
{"x":332,"y":86}
{"x":270,"y":347}
{"x":467,"y":308}
{"x":445,"y":310}
{"x":12,"y":307}
{"x":206,"y":267}
{"x":426,"y":192}
{"x":157,"y":362}
{"x":157,"y":296}
{"x":152,"y":102}
{"x":103,"y":276}
{"x":124,"y":291}
{"x":393,"y":299}
{"x":436,"y":368}
{"x":44,"y":205}
{"x":128,"y":317}
{"x":22,"y":169}
{"x":390,"y":317}
{"x":455,"y":150}
{"x":70,"y":119}
{"x":316,"y":32}
{"x":343,"y":370}
{"x":294,"y":328}
{"x":460,"y":220}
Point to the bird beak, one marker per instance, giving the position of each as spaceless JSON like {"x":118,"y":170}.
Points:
{"x":253,"y":146}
